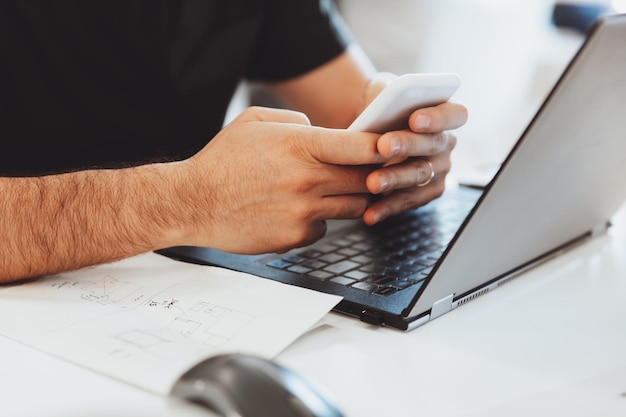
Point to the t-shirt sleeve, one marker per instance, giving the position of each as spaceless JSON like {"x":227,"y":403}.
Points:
{"x":295,"y":37}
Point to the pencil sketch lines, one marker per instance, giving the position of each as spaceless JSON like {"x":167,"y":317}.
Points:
{"x":141,"y":339}
{"x":108,"y":290}
{"x":210,"y":324}
{"x":105,"y":290}
{"x":207,"y":325}
{"x":204,"y":322}
{"x":185,"y":327}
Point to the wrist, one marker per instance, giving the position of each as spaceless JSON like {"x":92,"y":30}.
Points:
{"x":173,"y":205}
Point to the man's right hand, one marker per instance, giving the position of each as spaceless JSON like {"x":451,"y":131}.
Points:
{"x":269,"y":180}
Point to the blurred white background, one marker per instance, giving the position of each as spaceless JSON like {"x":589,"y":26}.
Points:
{"x":508,"y":54}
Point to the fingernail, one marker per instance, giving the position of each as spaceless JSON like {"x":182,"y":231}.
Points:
{"x":421,"y":122}
{"x":375,"y":218}
{"x":383,"y":186}
{"x":379,"y":217}
{"x":394,"y":146}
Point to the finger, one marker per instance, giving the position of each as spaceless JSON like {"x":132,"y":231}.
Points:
{"x":335,"y":146}
{"x":405,"y":143}
{"x":402,"y":200}
{"x":445,"y":116}
{"x":338,"y":146}
{"x":338,"y":180}
{"x":344,"y":206}
{"x":313,"y":216}
{"x":266,"y":114}
{"x":408,"y":174}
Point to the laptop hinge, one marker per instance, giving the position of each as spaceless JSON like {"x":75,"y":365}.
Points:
{"x":441,"y":307}
{"x":600,"y":229}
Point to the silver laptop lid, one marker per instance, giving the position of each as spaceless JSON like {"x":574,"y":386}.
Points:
{"x":565,"y":176}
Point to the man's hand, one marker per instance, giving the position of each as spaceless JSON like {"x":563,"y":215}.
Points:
{"x":420,"y":156}
{"x":420,"y":161}
{"x":268,"y":181}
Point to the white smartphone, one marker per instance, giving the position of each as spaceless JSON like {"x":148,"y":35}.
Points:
{"x":390,"y":110}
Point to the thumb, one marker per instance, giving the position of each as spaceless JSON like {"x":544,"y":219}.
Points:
{"x":343,"y":147}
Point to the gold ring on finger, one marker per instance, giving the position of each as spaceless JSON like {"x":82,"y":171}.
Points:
{"x":430,"y":176}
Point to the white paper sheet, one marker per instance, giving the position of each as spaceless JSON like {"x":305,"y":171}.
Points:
{"x":148,"y":319}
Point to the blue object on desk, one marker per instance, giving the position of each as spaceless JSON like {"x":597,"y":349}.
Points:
{"x":577,"y":16}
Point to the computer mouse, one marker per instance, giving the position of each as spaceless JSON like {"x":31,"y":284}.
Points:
{"x":243,"y":385}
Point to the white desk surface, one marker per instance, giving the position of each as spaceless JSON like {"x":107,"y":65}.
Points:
{"x":549,"y":343}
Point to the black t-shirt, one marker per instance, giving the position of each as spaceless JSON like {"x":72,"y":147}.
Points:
{"x":110,"y":83}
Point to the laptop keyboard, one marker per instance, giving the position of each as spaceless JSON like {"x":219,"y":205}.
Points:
{"x":384,"y":259}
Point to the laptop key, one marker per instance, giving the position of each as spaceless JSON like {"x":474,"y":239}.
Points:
{"x":372,"y":268}
{"x":362,"y":246}
{"x":294,"y":259}
{"x":331,"y":257}
{"x":386,"y":291}
{"x":342,"y":242}
{"x":321,"y":275}
{"x":417,"y":277}
{"x":310,"y":254}
{"x":348,"y":251}
{"x":314,"y":264}
{"x":402,"y":272}
{"x":402,"y":284}
{"x":299,"y":269}
{"x":342,"y":280}
{"x":435,"y":255}
{"x":414,"y":267}
{"x":356,"y":274}
{"x":279,"y":264}
{"x":385,"y":281}
{"x":364,"y":286}
{"x":425,"y":260}
{"x":355,"y":237}
{"x":426,"y":271}
{"x":326,"y":248}
{"x":362,"y":259}
{"x":341,"y":267}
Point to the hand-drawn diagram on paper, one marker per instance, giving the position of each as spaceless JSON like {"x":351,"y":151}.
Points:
{"x":148,"y":319}
{"x":105,"y":290}
{"x":211,"y":324}
{"x":108,"y":290}
{"x":206,"y":323}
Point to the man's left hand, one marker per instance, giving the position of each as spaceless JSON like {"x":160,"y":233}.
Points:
{"x":421,"y":161}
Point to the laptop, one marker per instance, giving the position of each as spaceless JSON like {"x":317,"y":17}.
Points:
{"x":558,"y":187}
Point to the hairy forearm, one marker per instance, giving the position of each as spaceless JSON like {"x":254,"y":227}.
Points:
{"x":64,"y":222}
